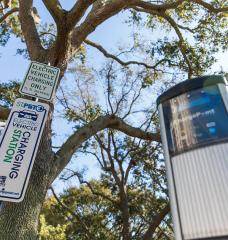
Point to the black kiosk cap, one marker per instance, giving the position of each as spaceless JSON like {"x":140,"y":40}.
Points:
{"x":189,"y":85}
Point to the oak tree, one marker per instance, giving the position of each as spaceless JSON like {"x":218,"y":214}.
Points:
{"x":194,"y":31}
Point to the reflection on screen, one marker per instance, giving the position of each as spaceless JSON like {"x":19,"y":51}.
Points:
{"x":194,"y":119}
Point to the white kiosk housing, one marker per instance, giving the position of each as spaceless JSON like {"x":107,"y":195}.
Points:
{"x":194,"y":129}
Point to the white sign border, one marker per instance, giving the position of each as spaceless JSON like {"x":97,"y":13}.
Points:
{"x":31,"y":95}
{"x":32,"y":160}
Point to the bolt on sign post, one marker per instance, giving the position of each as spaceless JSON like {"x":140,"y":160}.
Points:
{"x":194,"y":128}
{"x":40,"y":81}
{"x":18,"y":146}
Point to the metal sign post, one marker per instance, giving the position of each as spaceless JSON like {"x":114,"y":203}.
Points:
{"x":18,"y":147}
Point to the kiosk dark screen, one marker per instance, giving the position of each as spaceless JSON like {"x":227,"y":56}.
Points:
{"x":194,"y":119}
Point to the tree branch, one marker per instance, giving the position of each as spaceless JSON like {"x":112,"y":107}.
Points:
{"x":210,"y":7}
{"x":156,"y":222}
{"x":28,"y":26}
{"x":78,"y":11}
{"x":178,"y":32}
{"x":181,"y":42}
{"x":119,"y":181}
{"x":110,"y":167}
{"x":132,"y":161}
{"x":186,"y":28}
{"x":6,"y":15}
{"x":108,"y":76}
{"x":65,"y":153}
{"x":101,"y":11}
{"x":156,"y":7}
{"x":175,"y":4}
{"x":55,"y":9}
{"x":109,"y":55}
{"x":93,"y":191}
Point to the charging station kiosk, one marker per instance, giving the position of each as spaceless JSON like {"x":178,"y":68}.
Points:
{"x":194,"y":129}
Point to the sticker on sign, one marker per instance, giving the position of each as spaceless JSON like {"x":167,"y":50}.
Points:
{"x":18,"y":147}
{"x":40,"y":81}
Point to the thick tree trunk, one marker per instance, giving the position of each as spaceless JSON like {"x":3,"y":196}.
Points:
{"x":19,"y":221}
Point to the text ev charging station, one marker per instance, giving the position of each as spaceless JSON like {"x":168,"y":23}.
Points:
{"x":194,"y":129}
{"x":19,"y":144}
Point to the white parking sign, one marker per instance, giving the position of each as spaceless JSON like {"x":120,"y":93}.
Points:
{"x":40,"y":81}
{"x":18,"y":147}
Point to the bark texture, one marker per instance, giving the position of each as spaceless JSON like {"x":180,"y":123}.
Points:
{"x":4,"y":113}
{"x":19,"y":221}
